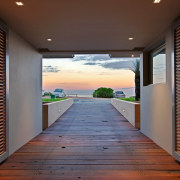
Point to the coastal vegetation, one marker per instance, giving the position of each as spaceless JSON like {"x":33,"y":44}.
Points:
{"x":52,"y":100}
{"x":136,"y":69}
{"x":128,"y":99}
{"x":103,"y":93}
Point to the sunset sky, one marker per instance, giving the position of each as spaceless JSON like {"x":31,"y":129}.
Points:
{"x":84,"y":72}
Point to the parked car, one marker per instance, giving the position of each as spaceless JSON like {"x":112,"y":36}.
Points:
{"x":59,"y":93}
{"x":119,"y":94}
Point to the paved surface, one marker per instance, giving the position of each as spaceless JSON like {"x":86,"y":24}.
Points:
{"x":91,"y":141}
{"x":91,"y":100}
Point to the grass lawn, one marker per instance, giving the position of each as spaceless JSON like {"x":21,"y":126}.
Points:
{"x":53,"y":100}
{"x":128,"y":99}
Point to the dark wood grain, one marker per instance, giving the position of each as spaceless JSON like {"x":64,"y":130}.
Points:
{"x":91,"y":141}
{"x":2,"y":92}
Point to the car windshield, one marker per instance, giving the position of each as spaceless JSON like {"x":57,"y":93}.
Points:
{"x":119,"y":92}
{"x":58,"y":90}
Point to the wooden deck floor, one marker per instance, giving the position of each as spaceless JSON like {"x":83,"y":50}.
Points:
{"x":91,"y":141}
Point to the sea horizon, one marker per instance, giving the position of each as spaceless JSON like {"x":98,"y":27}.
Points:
{"x":88,"y":93}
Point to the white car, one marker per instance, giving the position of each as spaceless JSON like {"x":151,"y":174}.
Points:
{"x":59,"y":93}
{"x":119,"y":94}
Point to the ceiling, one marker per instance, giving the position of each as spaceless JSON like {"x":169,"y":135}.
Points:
{"x":89,"y":25}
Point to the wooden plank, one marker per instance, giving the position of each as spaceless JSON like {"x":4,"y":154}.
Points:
{"x":90,"y":141}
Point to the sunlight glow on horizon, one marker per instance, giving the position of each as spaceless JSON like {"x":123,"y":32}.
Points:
{"x":72,"y":74}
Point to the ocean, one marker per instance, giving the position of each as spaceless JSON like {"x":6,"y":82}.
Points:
{"x":88,"y":93}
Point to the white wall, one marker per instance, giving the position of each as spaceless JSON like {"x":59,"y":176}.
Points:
{"x":56,"y":110}
{"x":130,"y":110}
{"x":25,"y":81}
{"x":156,"y":105}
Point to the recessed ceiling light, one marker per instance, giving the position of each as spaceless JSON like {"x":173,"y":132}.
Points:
{"x":49,"y":40}
{"x":19,"y":3}
{"x":131,"y":38}
{"x":157,"y":1}
{"x":132,"y":55}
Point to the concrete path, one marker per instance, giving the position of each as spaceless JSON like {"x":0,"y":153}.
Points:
{"x":91,"y":141}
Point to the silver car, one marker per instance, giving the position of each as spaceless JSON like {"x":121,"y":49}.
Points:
{"x":119,"y":94}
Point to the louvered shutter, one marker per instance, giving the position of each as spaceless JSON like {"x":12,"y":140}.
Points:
{"x":177,"y":89}
{"x":2,"y":92}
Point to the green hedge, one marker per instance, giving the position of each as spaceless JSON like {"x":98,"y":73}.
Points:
{"x":103,"y":93}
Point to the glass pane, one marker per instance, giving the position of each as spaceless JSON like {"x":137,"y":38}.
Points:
{"x":159,"y":67}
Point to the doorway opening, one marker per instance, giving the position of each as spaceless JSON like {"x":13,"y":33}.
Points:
{"x":81,"y":75}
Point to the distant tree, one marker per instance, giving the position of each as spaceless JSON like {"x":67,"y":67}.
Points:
{"x":136,"y":69}
{"x":103,"y":93}
{"x":95,"y":93}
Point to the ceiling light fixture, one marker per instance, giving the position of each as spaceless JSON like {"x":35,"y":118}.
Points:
{"x":132,"y":55}
{"x":49,"y":40}
{"x":130,"y":39}
{"x":157,"y":1}
{"x":19,"y":3}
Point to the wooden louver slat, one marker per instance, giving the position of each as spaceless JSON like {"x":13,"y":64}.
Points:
{"x":177,"y":88}
{"x":2,"y":92}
